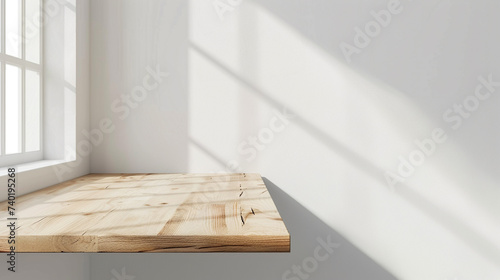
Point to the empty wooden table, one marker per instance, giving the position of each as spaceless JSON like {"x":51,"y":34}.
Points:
{"x":149,"y":213}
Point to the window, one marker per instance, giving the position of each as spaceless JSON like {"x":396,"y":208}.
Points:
{"x":21,"y":74}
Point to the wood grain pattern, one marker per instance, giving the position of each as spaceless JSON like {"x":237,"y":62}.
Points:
{"x":149,"y":213}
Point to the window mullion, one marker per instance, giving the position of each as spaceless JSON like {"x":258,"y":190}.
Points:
{"x":23,"y":77}
{"x":3,"y":110}
{"x":19,"y":62}
{"x":23,"y":29}
{"x":22,"y":110}
{"x":2,"y":81}
{"x":42,"y":76}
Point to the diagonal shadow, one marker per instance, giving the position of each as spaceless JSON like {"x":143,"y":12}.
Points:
{"x":324,"y":23}
{"x":454,"y":224}
{"x":347,"y":262}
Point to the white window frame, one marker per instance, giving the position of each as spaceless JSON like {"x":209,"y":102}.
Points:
{"x":23,"y":64}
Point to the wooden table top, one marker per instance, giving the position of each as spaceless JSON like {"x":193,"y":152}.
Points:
{"x":148,"y":213}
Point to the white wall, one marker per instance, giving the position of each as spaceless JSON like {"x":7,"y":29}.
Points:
{"x":325,"y":167}
{"x":71,"y":90}
{"x":50,"y":266}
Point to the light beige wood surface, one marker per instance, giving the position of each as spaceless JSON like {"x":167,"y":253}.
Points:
{"x":149,"y":213}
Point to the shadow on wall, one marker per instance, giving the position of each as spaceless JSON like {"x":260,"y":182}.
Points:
{"x":336,"y":257}
{"x":432,"y":52}
{"x":346,"y":261}
{"x":443,"y":216}
{"x":416,"y":55}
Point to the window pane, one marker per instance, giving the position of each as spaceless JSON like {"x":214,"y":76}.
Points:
{"x":32,"y":111}
{"x":1,"y":132}
{"x":32,"y":30}
{"x":13,"y":28}
{"x":12,"y":109}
